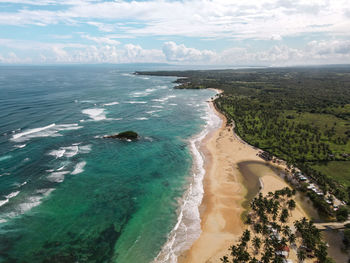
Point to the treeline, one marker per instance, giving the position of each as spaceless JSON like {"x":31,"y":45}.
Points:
{"x":301,"y":115}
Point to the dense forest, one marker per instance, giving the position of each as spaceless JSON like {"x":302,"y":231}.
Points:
{"x":301,"y":115}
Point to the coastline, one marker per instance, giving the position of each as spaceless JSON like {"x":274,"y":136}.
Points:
{"x":225,"y":191}
{"x":188,"y":227}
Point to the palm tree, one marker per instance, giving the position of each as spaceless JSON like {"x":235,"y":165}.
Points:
{"x":301,"y":255}
{"x":246,"y":236}
{"x":257,"y":228}
{"x":283,"y":242}
{"x":291,"y":204}
{"x":277,"y":259}
{"x":253,"y":260}
{"x":286,"y":231}
{"x":266,"y":257}
{"x":224,"y":259}
{"x":292,"y":239}
{"x":256,"y":244}
{"x":284,"y":215}
{"x":248,"y":220}
{"x":321,"y":252}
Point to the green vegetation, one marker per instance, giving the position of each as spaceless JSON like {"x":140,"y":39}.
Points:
{"x":301,"y":115}
{"x":340,"y":171}
{"x":269,"y":236}
{"x":342,"y":213}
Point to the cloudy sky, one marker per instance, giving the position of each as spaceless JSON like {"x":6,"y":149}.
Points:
{"x":202,"y":32}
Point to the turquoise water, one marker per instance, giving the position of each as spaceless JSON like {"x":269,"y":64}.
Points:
{"x":69,"y":195}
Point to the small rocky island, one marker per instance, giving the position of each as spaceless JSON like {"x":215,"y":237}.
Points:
{"x":127,"y":135}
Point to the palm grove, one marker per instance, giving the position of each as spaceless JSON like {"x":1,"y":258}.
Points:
{"x":270,"y":235}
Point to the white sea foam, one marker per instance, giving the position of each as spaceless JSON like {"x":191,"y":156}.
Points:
{"x":162,"y":87}
{"x":20,"y":146}
{"x":144,"y":93}
{"x":111,"y":103}
{"x":157,"y":106}
{"x":164,"y":99}
{"x":139,"y":94}
{"x":5,"y":157}
{"x":141,"y":118}
{"x":128,"y":75}
{"x":150,"y":90}
{"x":161,"y":100}
{"x":153,"y":111}
{"x":2,"y":202}
{"x":136,"y":102}
{"x":8,"y":197}
{"x":33,"y":201}
{"x":32,"y":131}
{"x":57,"y":153}
{"x":13,"y":194}
{"x":88,"y":101}
{"x":172,"y":104}
{"x":70,"y":151}
{"x":28,"y":204}
{"x":57,"y":177}
{"x":85,"y":149}
{"x":96,"y":114}
{"x":61,"y":168}
{"x":51,"y":130}
{"x":79,"y":168}
{"x":187,"y":228}
{"x":44,"y":191}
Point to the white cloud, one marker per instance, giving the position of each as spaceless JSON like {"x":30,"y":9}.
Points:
{"x":181,"y":53}
{"x":276,"y":37}
{"x":12,"y":58}
{"x":327,"y":48}
{"x":102,"y":40}
{"x":316,"y":52}
{"x":135,"y":53}
{"x":102,"y":26}
{"x":254,"y":19}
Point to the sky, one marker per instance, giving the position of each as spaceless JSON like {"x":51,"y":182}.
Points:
{"x":197,"y":32}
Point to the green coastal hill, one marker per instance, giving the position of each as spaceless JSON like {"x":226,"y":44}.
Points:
{"x":300,"y":114}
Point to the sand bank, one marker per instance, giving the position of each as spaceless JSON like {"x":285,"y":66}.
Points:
{"x":224,"y":193}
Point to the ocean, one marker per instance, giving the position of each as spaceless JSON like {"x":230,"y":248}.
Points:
{"x":69,"y":195}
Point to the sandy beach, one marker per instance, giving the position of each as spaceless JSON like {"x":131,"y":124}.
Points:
{"x":225,"y":192}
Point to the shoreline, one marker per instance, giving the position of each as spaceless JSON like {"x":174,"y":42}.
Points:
{"x":225,"y":192}
{"x":187,"y":228}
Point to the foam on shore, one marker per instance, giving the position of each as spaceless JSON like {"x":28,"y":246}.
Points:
{"x":188,"y":227}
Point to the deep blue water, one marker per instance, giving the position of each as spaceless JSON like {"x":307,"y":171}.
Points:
{"x":69,"y":195}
